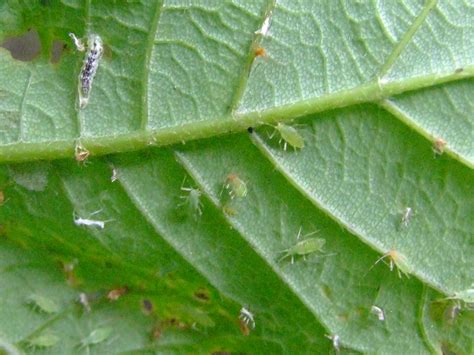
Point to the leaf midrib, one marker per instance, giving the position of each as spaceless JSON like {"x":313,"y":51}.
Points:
{"x":373,"y":91}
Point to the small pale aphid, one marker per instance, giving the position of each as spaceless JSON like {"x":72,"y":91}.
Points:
{"x":466,"y":296}
{"x":45,"y":340}
{"x":439,"y":145}
{"x":44,"y":304}
{"x":81,"y":153}
{"x":378,"y":312}
{"x":304,"y":247}
{"x":336,"y":341}
{"x":406,"y":216}
{"x":78,"y":221}
{"x":263,"y":31}
{"x":192,"y":200}
{"x":116,"y":293}
{"x":96,"y":336}
{"x":247,"y":317}
{"x":95,"y":49}
{"x":396,"y":260}
{"x":235,"y":186}
{"x":289,"y":136}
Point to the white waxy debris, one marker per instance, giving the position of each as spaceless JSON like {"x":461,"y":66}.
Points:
{"x":263,"y":31}
{"x":114,"y":176}
{"x":84,"y":300}
{"x":407,"y":215}
{"x":247,"y":317}
{"x":378,"y":312}
{"x":96,"y":336}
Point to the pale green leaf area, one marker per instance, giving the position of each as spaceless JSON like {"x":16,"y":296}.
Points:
{"x":379,"y":91}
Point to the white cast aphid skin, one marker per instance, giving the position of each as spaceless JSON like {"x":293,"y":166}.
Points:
{"x":89,"y":223}
{"x":78,"y":221}
{"x":406,"y":217}
{"x":84,"y":300}
{"x":378,"y":312}
{"x":95,"y":49}
{"x":263,"y":31}
{"x":247,"y":317}
{"x":336,"y":342}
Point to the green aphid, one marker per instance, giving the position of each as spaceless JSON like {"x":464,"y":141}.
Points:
{"x":304,"y":247}
{"x":96,"y":336}
{"x":44,"y":304}
{"x":45,"y":340}
{"x":289,"y":135}
{"x":192,"y":200}
{"x":235,"y":186}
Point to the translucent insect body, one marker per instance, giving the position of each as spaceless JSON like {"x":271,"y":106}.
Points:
{"x":94,"y":52}
{"x":289,"y":136}
{"x":44,"y":304}
{"x":192,"y":200}
{"x":45,"y":340}
{"x":396,"y":260}
{"x":96,"y":336}
{"x":304,"y":247}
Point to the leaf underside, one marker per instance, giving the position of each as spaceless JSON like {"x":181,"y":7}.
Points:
{"x":382,"y":97}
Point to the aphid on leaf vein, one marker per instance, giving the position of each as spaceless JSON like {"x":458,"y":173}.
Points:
{"x":260,"y":51}
{"x":235,"y":186}
{"x":44,"y":304}
{"x":304,"y":247}
{"x":192,"y":200}
{"x":247,"y":317}
{"x":80,"y":152}
{"x":396,"y":260}
{"x":94,"y":52}
{"x":45,"y":340}
{"x":378,"y":312}
{"x":96,"y":336}
{"x":289,"y":136}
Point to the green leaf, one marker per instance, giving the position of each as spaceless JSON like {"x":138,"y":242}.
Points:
{"x":115,"y":254}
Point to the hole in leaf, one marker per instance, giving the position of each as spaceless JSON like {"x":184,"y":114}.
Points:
{"x":25,"y":47}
